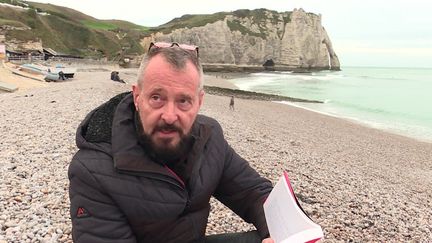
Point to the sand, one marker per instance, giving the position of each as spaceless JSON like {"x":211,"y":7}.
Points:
{"x":21,"y":83}
{"x":360,"y":184}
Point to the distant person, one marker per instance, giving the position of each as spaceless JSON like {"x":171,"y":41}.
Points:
{"x":231,"y":104}
{"x":61,"y":75}
{"x":116,"y":77}
{"x":148,"y":163}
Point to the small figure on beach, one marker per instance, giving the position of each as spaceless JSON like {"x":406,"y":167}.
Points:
{"x":116,"y":77}
{"x":61,"y":75}
{"x":231,"y":104}
{"x":148,"y":162}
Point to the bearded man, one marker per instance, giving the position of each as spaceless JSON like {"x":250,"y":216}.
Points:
{"x":148,"y":163}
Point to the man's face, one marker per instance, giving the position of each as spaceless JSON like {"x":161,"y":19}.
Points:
{"x":168,"y":102}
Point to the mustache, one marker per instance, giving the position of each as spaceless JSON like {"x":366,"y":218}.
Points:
{"x":168,"y":127}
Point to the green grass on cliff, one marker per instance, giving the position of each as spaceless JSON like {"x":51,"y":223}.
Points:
{"x":235,"y":25}
{"x":69,"y":31}
{"x":12,"y":23}
{"x":98,"y":25}
{"x":190,"y":21}
{"x":257,"y":16}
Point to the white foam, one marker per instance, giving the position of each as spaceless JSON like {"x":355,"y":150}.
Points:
{"x":250,"y":83}
{"x":265,"y":74}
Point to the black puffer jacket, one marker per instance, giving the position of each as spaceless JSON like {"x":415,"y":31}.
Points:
{"x":119,"y":195}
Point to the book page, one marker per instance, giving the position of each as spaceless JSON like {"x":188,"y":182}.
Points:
{"x":285,"y":219}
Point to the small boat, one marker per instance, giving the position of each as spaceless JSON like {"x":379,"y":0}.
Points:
{"x":68,"y":72}
{"x":52,"y":77}
{"x":51,"y":74}
{"x":32,"y":69}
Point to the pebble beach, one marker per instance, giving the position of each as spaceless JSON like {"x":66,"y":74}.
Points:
{"x":360,"y":184}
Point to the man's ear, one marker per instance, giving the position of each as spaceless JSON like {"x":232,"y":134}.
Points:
{"x":136,"y":94}
{"x":201,"y":97}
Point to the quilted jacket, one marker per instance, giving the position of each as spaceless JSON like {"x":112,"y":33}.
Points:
{"x":118,"y":194}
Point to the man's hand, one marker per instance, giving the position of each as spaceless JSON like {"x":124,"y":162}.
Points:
{"x":268,"y":240}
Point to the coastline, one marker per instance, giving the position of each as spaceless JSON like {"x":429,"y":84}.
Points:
{"x":425,"y":139}
{"x":358,"y":183}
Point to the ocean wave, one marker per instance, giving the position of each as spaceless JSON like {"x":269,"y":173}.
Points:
{"x":267,"y":74}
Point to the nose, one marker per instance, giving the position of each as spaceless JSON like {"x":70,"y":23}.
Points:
{"x":169,"y":114}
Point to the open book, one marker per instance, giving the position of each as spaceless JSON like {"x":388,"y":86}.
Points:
{"x":286,"y":220}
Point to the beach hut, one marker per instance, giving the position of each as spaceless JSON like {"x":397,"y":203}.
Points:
{"x":49,"y":53}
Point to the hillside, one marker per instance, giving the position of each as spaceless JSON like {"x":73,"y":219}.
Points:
{"x":69,"y":31}
{"x":242,"y":40}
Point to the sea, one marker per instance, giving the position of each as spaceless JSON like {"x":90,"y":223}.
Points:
{"x":397,"y":100}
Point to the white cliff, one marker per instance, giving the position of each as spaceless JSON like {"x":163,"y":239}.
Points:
{"x":292,"y":40}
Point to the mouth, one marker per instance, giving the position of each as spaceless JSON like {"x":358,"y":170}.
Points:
{"x":166,"y":133}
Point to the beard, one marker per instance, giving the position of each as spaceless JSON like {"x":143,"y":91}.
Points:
{"x":163,"y":151}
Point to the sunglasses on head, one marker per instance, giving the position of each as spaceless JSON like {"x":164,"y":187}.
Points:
{"x":173,"y":44}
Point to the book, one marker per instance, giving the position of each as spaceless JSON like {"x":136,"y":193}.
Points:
{"x":286,"y":220}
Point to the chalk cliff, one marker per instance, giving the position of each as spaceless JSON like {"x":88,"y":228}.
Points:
{"x":249,"y":38}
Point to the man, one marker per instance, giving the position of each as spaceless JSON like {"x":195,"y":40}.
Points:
{"x":148,"y":163}
{"x":62,"y":75}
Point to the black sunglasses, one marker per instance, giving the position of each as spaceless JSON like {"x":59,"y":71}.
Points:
{"x":173,"y":44}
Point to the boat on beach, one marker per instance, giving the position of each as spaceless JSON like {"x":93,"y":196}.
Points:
{"x":50,"y":74}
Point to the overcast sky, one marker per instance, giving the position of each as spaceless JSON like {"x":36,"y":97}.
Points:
{"x":396,"y":33}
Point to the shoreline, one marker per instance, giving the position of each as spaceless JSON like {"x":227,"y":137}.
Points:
{"x":216,"y":83}
{"x":296,"y":102}
{"x":424,"y":139}
{"x":243,"y":94}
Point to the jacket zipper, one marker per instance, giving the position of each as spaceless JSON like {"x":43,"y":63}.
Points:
{"x":176,"y":176}
{"x":188,"y":202}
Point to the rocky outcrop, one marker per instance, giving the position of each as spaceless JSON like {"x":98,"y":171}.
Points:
{"x":291,"y":40}
{"x":17,"y":45}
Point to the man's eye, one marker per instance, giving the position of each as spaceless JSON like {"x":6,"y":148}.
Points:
{"x":155,"y":97}
{"x":184,"y":104}
{"x":156,"y":101}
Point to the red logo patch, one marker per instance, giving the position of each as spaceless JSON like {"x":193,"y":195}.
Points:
{"x":82,"y":213}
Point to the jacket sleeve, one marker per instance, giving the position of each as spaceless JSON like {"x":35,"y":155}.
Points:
{"x":95,"y":217}
{"x":243,"y":190}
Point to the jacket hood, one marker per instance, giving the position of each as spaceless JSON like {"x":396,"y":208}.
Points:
{"x":94,"y":132}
